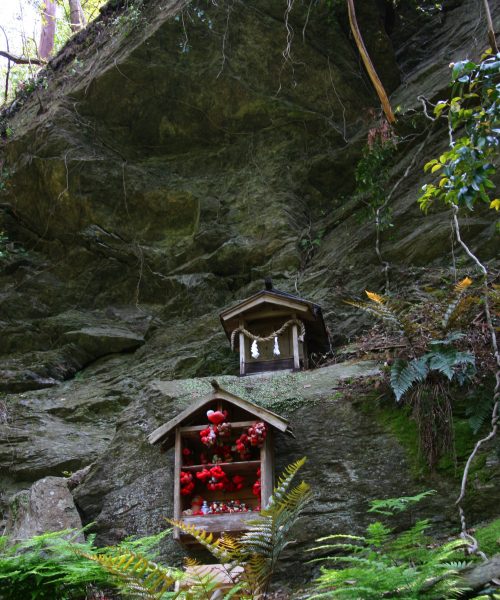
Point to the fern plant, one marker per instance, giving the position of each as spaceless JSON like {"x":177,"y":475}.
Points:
{"x":442,"y":358}
{"x":136,"y":574}
{"x":54,"y":566}
{"x":383,"y":565}
{"x":260,"y":547}
{"x":46,"y":567}
{"x":430,"y":361}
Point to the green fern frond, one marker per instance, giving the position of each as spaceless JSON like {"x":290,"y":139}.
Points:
{"x":390,"y":506}
{"x":284,"y":482}
{"x":404,"y":374}
{"x":216,"y":546}
{"x":479,"y":412}
{"x":139,"y":575}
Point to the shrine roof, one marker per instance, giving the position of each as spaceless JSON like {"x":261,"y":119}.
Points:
{"x":279,"y":303}
{"x":163,"y":433}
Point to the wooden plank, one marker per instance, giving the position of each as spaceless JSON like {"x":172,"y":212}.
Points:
{"x":242,"y":465}
{"x":223,"y":522}
{"x":235,"y":425}
{"x":177,"y":479}
{"x":242,"y":350}
{"x":279,"y":364}
{"x":270,"y":313}
{"x":295,"y":344}
{"x":267,"y":469}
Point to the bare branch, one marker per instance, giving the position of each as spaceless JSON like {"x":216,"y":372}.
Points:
{"x":22,"y":60}
{"x":377,"y":84}
{"x":496,"y":392}
{"x":491,"y":30}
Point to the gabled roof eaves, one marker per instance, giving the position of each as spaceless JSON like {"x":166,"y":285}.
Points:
{"x":161,"y":433}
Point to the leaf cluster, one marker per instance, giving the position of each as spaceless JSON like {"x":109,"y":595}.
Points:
{"x":466,"y":170}
{"x":381,"y":564}
{"x":55,"y":565}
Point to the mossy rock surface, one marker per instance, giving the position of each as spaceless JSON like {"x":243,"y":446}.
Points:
{"x":163,"y":176}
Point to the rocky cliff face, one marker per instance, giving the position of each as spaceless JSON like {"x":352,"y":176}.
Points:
{"x":179,"y":154}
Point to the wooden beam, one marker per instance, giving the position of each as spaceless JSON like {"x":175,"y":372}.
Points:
{"x":267,"y":469}
{"x":222,"y":522}
{"x":236,"y":425}
{"x":295,"y":344}
{"x":242,"y":349}
{"x":177,"y":479}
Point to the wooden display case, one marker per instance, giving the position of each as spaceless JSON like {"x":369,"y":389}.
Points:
{"x":184,"y":433}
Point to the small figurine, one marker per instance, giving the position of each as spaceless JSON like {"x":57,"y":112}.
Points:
{"x":204,"y":508}
{"x":196,"y":505}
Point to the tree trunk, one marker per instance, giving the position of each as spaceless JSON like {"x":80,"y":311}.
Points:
{"x":377,"y":84}
{"x":77,"y":18}
{"x":48,"y":32}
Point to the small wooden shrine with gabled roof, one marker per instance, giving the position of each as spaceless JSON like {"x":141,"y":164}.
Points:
{"x":224,"y":461}
{"x":274,"y":330}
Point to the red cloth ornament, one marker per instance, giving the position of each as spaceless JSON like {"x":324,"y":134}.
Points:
{"x":187,"y":483}
{"x":216,"y":416}
{"x":257,"y":434}
{"x":203,"y":475}
{"x":217,"y":472}
{"x":208,"y":436}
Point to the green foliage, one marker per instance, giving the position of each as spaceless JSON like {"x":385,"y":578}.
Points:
{"x":131,"y":17}
{"x":391,"y":506}
{"x":479,"y":412}
{"x":137,"y":574}
{"x":372,"y":175}
{"x":46,"y":567}
{"x":53,"y":566}
{"x":441,"y":359}
{"x":466,"y":170}
{"x":428,"y":363}
{"x":259,"y":548}
{"x":381,"y":564}
{"x":488,"y":537}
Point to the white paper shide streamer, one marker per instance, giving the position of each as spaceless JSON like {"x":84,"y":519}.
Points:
{"x":254,"y":349}
{"x":276,"y":350}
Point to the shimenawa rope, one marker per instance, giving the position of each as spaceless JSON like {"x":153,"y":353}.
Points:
{"x":268,"y":338}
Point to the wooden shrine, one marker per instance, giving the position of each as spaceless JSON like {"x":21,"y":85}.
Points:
{"x":274,"y":330}
{"x":224,"y":461}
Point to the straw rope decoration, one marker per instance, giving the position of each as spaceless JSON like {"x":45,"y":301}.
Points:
{"x":268,"y":338}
